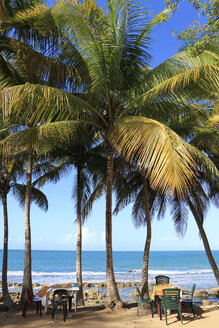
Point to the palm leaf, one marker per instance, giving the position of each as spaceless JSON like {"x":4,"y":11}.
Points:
{"x":96,"y":194}
{"x":179,"y":215}
{"x":37,"y":196}
{"x":33,"y":101}
{"x":157,"y":150}
{"x":203,"y":80}
{"x":206,"y":166}
{"x":53,"y":175}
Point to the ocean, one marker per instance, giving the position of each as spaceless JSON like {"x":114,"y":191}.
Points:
{"x":183,"y":267}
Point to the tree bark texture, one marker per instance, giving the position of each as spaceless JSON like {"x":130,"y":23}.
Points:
{"x":112,"y":290}
{"x":145,"y":266}
{"x":5,"y":293}
{"x":27,"y":279}
{"x":80,"y":298}
{"x":205,"y":241}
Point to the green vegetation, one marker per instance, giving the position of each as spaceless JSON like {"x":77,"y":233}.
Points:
{"x":76,"y":83}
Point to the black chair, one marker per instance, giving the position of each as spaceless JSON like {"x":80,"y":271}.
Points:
{"x":162,"y":280}
{"x":188,"y":294}
{"x":59,"y":298}
{"x":144,"y":300}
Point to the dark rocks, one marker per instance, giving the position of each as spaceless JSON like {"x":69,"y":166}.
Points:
{"x":201,"y":294}
{"x":214,"y":292}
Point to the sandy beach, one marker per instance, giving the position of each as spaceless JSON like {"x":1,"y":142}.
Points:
{"x":207,"y":316}
{"x":94,"y":314}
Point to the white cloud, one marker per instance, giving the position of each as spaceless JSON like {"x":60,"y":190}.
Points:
{"x":68,"y":238}
{"x":90,"y":240}
{"x":88,"y":237}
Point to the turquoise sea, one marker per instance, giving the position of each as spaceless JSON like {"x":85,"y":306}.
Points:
{"x":183,"y":267}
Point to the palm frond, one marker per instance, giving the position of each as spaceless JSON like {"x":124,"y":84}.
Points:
{"x":202,"y":81}
{"x":206,"y":166}
{"x":162,"y":154}
{"x":34,"y":102}
{"x":37,"y":196}
{"x":96,"y":194}
{"x":179,"y":215}
{"x":8,"y":74}
{"x":53,"y":175}
{"x":138,"y":210}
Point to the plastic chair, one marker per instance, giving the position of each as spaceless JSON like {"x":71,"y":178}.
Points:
{"x":162,"y":280}
{"x":144,"y":300}
{"x":189,"y":297}
{"x":170,"y":301}
{"x":28,"y":300}
{"x":59,"y":298}
{"x":72,"y":296}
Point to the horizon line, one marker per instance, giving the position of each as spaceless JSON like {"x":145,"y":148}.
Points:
{"x":71,"y":250}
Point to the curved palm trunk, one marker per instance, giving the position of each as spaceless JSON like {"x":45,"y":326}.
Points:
{"x":79,"y":240}
{"x":205,"y":241}
{"x":27,"y":279}
{"x":112,"y":290}
{"x":145,"y":266}
{"x":6,"y":296}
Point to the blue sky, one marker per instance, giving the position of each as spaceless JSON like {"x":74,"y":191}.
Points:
{"x":56,"y":228}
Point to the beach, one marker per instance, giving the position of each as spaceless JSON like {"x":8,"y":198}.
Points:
{"x":207,"y":316}
{"x":184,"y":268}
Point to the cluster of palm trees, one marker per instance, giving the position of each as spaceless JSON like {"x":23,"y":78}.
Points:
{"x":76,"y":89}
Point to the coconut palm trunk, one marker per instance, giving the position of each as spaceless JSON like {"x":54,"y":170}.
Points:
{"x":6,"y":296}
{"x":112,"y":290}
{"x":79,"y":239}
{"x":205,"y":241}
{"x":27,"y":279}
{"x":145,"y":266}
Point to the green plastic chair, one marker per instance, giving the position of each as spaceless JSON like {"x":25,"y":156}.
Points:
{"x":170,"y":301}
{"x":162,"y":280}
{"x":144,"y":300}
{"x":189,"y":297}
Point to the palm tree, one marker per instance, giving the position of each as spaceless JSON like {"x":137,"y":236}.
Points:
{"x":11,"y":169}
{"x":14,"y":70}
{"x":117,"y":84}
{"x":197,"y":201}
{"x":89,"y":161}
{"x":198,"y":220}
{"x":7,"y":178}
{"x":203,"y":191}
{"x":132,"y":187}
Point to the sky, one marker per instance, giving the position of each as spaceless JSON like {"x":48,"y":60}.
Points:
{"x":56,"y":229}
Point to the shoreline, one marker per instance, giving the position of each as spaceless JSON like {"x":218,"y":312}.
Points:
{"x":95,"y":293}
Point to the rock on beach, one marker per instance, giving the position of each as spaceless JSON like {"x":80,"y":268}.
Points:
{"x":93,"y":294}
